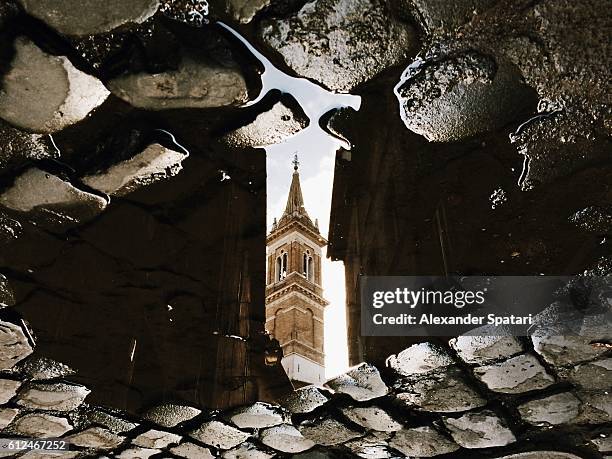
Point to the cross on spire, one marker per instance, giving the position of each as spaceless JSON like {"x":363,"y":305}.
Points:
{"x":295,"y":162}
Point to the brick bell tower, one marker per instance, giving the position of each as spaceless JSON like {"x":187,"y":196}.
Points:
{"x":294,"y":293}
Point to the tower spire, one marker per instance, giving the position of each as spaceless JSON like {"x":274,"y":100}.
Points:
{"x":295,"y":200}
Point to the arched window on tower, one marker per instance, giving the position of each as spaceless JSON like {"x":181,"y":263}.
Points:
{"x":279,"y":269}
{"x":281,"y":266}
{"x":308,"y":268}
{"x":285,"y":263}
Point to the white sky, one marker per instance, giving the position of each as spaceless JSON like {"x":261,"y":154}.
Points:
{"x":317,"y":155}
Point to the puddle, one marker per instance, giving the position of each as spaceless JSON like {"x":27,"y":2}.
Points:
{"x":143,"y":300}
{"x":316,"y":149}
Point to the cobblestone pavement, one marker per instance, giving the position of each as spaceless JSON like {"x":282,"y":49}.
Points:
{"x":76,"y":78}
{"x":483,"y":397}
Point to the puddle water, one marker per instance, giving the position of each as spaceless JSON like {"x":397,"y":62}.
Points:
{"x":314,"y":100}
{"x":151,"y":300}
{"x":316,"y":149}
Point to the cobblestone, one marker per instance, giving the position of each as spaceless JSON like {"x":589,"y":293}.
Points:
{"x":363,"y":418}
{"x":257,"y":416}
{"x":562,"y":350}
{"x":40,"y":425}
{"x":304,"y":400}
{"x":170,"y":415}
{"x":422,"y":442}
{"x":156,"y":439}
{"x":485,"y":349}
{"x":553,"y":410}
{"x":95,"y":437}
{"x":373,"y":418}
{"x":52,"y":396}
{"x":8,"y":389}
{"x":444,"y":392}
{"x":360,"y":383}
{"x":219,"y":435}
{"x":327,"y":431}
{"x":191,"y":451}
{"x":419,"y":359}
{"x":516,"y":375}
{"x":285,"y":438}
{"x":479,"y":430}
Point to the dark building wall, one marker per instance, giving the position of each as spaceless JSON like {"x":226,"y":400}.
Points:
{"x":404,"y":206}
{"x":150,"y":300}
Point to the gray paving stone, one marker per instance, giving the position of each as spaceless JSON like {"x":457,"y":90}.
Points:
{"x":245,"y":10}
{"x":170,"y":414}
{"x":53,"y":96}
{"x":553,"y":410}
{"x":153,"y":164}
{"x":219,"y":435}
{"x":485,"y":349}
{"x":419,"y":359}
{"x":372,"y":418}
{"x":422,"y":442}
{"x":247,"y":450}
{"x":156,"y":439}
{"x":327,"y":41}
{"x":361,"y":383}
{"x":563,"y":350}
{"x":603,"y":442}
{"x":479,"y":430}
{"x":327,"y":431}
{"x":285,"y":438}
{"x":113,"y":423}
{"x":518,"y":374}
{"x":321,"y":453}
{"x":441,"y":14}
{"x":95,"y":437}
{"x":454,"y":97}
{"x":443,"y":392}
{"x":14,"y":345}
{"x":51,"y":454}
{"x":52,"y":396}
{"x":40,"y":425}
{"x":596,"y":407}
{"x":196,"y":83}
{"x":137,"y":453}
{"x":304,"y":400}
{"x":189,"y":450}
{"x":37,"y":368}
{"x":7,"y":415}
{"x":258,"y":416}
{"x":39,"y":194}
{"x":541,"y":455}
{"x":372,"y":446}
{"x":268,"y":128}
{"x":78,"y":17}
{"x":595,"y":375}
{"x":8,"y":389}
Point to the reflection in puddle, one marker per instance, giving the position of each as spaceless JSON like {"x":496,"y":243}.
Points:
{"x":314,"y":100}
{"x":316,"y":149}
{"x":159,"y":295}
